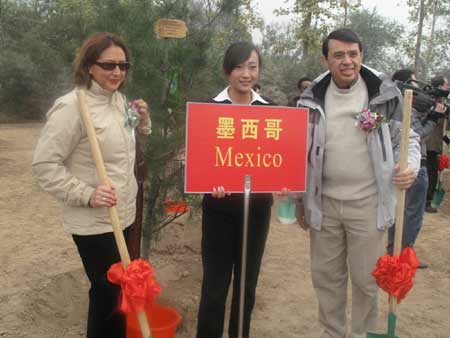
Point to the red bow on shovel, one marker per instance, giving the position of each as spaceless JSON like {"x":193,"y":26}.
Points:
{"x":394,"y":274}
{"x":129,"y":268}
{"x":139,"y":288}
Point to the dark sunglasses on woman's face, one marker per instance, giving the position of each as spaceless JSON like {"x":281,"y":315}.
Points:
{"x":111,"y":65}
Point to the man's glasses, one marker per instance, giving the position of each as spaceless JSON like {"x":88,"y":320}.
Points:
{"x":112,"y":65}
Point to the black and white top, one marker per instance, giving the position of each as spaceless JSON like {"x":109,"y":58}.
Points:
{"x":236,"y":200}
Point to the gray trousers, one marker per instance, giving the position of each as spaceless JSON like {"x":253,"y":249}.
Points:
{"x":348,"y":241}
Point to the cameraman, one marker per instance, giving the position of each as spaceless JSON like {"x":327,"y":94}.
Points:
{"x":423,"y":124}
{"x":434,"y":144}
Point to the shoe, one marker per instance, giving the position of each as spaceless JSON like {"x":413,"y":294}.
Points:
{"x":430,"y":209}
{"x":422,"y":265}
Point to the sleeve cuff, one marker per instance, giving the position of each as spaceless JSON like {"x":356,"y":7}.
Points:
{"x":86,"y":196}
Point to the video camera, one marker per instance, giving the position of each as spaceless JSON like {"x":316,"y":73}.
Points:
{"x":425,"y":97}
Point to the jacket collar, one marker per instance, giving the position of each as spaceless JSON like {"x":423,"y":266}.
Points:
{"x":101,"y":95}
{"x":224,"y":96}
{"x":96,"y":89}
{"x":379,"y":86}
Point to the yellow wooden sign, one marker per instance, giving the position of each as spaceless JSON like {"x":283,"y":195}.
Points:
{"x":170,"y":28}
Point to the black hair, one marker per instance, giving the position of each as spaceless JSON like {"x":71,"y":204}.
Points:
{"x":256,"y":86}
{"x":403,"y":75}
{"x":237,"y":53}
{"x":437,"y":80}
{"x":342,"y":34}
{"x":305,"y":78}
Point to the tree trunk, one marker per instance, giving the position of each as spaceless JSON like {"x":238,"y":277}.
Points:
{"x":306,"y":27}
{"x":431,"y":42}
{"x":147,"y":231}
{"x":345,"y":12}
{"x":417,"y":67}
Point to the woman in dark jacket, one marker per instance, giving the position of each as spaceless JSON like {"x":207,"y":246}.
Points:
{"x":222,"y":218}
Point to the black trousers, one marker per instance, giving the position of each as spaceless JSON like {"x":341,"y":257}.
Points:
{"x":221,"y":257}
{"x":98,"y":253}
{"x":432,"y":169}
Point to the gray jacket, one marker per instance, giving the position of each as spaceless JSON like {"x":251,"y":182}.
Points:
{"x":384,"y":144}
{"x":424,"y":126}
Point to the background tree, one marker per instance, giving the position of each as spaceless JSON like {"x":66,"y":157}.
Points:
{"x":430,"y":55}
{"x":379,"y":37}
{"x":39,"y":40}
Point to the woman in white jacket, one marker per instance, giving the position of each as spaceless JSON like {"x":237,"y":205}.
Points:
{"x":63,"y":166}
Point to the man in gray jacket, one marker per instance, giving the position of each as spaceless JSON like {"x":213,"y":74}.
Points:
{"x":352,"y":175}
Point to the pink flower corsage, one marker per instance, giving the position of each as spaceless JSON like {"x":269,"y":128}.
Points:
{"x":368,"y":120}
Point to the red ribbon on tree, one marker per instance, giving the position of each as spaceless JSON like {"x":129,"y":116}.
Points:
{"x":139,"y":288}
{"x":444,"y":162}
{"x":394,"y":274}
{"x":175,"y":207}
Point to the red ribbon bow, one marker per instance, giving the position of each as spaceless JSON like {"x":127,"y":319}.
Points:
{"x":394,"y":274}
{"x":444,"y":162}
{"x":139,"y":288}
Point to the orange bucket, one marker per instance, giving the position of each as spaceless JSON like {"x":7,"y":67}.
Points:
{"x":163,"y":321}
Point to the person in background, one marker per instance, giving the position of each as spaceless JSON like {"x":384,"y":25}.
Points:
{"x":257,"y":89}
{"x":223,"y":214}
{"x":434,"y":146}
{"x":352,"y":175}
{"x":64,"y":166}
{"x":424,"y":124}
{"x":302,"y":84}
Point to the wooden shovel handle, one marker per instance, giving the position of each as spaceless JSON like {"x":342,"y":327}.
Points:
{"x":399,"y":218}
{"x":115,"y":221}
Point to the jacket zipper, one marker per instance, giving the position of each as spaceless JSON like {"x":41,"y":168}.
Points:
{"x":383,"y":146}
{"x":126,"y":144}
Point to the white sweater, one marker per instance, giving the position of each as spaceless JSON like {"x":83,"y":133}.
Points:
{"x":348,"y":172}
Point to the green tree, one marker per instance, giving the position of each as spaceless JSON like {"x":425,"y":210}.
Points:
{"x":379,"y":37}
{"x":432,"y":20}
{"x":40,"y":38}
{"x":314,"y":19}
{"x":282,"y":63}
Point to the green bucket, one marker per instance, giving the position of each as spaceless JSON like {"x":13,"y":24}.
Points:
{"x":438,"y":196}
{"x":286,"y":211}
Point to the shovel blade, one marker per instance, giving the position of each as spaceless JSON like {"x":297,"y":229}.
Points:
{"x":392,"y":321}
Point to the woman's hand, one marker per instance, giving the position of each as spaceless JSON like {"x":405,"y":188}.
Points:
{"x":283,"y":193}
{"x":219,"y":192}
{"x":142,"y":108}
{"x":403,"y":180}
{"x":103,"y":196}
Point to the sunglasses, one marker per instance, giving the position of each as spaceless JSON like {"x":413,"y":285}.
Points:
{"x":112,"y":65}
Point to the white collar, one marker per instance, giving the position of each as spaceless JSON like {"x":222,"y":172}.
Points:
{"x":224,"y":96}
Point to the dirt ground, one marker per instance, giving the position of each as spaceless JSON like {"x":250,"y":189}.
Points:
{"x":43,"y":289}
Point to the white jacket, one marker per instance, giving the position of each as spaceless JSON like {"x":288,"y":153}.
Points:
{"x":64,"y":167}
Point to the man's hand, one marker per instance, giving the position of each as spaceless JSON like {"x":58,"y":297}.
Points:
{"x":440,"y":108}
{"x":300,"y":214}
{"x":403,"y":180}
{"x":439,"y":112}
